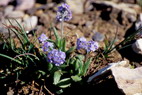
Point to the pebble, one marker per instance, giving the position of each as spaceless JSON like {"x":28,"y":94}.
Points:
{"x":8,"y":10}
{"x":98,"y":36}
{"x":30,"y":23}
{"x":24,"y":4}
{"x":15,"y":14}
{"x":137,"y":46}
{"x":4,"y":2}
{"x":76,"y":6}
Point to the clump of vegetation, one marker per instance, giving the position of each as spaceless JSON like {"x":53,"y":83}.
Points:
{"x":50,"y":64}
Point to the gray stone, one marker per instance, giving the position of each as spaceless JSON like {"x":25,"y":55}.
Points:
{"x":8,"y":10}
{"x":24,"y":4}
{"x":137,"y":46}
{"x":124,"y":13}
{"x":98,"y":36}
{"x":4,"y":2}
{"x":15,"y":14}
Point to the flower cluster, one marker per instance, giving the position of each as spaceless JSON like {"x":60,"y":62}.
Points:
{"x":87,"y":45}
{"x":64,"y":13}
{"x":56,"y":57}
{"x":47,"y":46}
{"x":42,"y":38}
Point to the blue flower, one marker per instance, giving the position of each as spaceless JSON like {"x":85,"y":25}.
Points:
{"x":42,"y":38}
{"x":87,"y":45}
{"x":47,"y":46}
{"x":81,"y":43}
{"x":64,"y":13}
{"x":92,"y":46}
{"x":56,"y":57}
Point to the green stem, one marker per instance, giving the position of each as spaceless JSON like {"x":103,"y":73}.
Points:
{"x":62,"y":27}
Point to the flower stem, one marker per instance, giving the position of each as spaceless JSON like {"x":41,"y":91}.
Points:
{"x":62,"y":27}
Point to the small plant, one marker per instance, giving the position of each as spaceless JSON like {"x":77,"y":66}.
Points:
{"x":49,"y":63}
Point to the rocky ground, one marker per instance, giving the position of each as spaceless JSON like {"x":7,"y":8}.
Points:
{"x":94,"y":19}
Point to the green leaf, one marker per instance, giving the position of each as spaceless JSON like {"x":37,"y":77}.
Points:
{"x":8,"y":57}
{"x":76,"y":78}
{"x":49,"y":40}
{"x":58,"y":40}
{"x":63,"y":45}
{"x":49,"y":66}
{"x":70,"y":50}
{"x":80,"y":57}
{"x":56,"y":33}
{"x":80,"y":67}
{"x":3,"y":77}
{"x":59,"y":91}
{"x":76,"y":65}
{"x":42,"y":72}
{"x":86,"y":65}
{"x":64,"y":83}
{"x":57,"y":76}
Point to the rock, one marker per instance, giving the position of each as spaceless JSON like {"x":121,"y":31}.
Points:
{"x":24,"y":4}
{"x":6,"y":21}
{"x":45,"y":19}
{"x":138,"y":25}
{"x":88,"y":6}
{"x":15,"y":14}
{"x":128,"y":1}
{"x":3,"y":28}
{"x":98,"y":36}
{"x":76,"y":6}
{"x":10,"y":92}
{"x":8,"y":10}
{"x":124,"y":13}
{"x":128,"y":80}
{"x":138,"y":94}
{"x":30,"y":23}
{"x":4,"y":2}
{"x":106,"y":69}
{"x":137,"y":46}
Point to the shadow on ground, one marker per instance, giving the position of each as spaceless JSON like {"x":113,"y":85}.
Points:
{"x":128,"y":52}
{"x":107,"y":87}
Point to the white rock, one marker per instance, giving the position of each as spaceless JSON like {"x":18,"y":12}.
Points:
{"x":4,"y":2}
{"x":138,"y":94}
{"x":137,"y":46}
{"x":138,"y":25}
{"x":8,"y":10}
{"x":128,"y":80}
{"x":6,"y":21}
{"x":15,"y":14}
{"x":76,"y":6}
{"x":24,"y":4}
{"x":30,"y":23}
{"x":107,"y":69}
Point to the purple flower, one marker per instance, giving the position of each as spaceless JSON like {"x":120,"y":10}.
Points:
{"x":56,"y":57}
{"x":64,"y":13}
{"x":47,"y":46}
{"x":81,"y":43}
{"x":42,"y":38}
{"x":87,"y":45}
{"x":92,"y":46}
